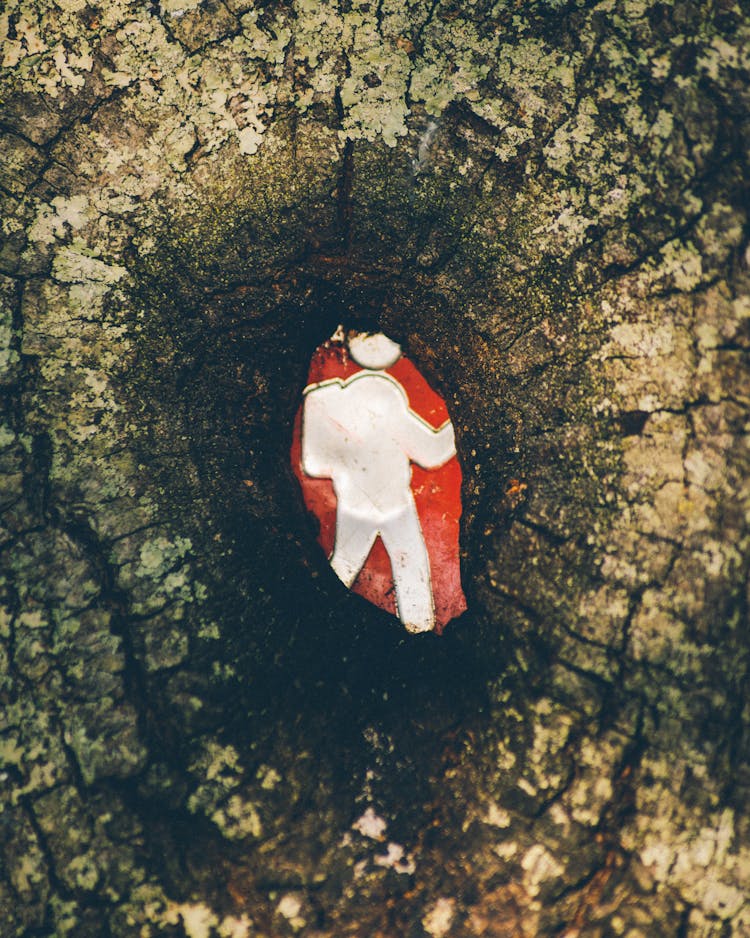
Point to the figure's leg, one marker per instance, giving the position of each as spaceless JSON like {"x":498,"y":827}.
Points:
{"x":354,"y":540}
{"x":410,"y":564}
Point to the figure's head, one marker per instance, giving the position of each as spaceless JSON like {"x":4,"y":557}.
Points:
{"x":373,"y":350}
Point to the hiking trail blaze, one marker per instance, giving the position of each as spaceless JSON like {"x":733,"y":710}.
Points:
{"x":374,"y":452}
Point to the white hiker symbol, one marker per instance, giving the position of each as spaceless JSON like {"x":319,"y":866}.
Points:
{"x":361,"y":434}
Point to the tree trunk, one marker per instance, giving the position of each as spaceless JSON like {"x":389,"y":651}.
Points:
{"x":202,"y":732}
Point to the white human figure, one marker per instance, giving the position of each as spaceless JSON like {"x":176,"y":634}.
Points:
{"x":361,"y":433}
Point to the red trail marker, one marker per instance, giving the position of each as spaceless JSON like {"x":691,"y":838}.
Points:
{"x":374,"y":452}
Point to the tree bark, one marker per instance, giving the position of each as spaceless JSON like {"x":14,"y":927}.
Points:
{"x":202,"y":733}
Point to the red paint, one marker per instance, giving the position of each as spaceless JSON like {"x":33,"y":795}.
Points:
{"x":437,"y":494}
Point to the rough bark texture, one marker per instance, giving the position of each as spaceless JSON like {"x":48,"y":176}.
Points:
{"x":201,"y":732}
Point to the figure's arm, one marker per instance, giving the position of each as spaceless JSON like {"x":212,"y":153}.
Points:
{"x":426,"y":447}
{"x":315,"y":456}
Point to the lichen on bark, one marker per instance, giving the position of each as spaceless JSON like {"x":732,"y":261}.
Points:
{"x":202,"y":733}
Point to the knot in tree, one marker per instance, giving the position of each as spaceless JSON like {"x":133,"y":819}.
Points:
{"x":544,"y":206}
